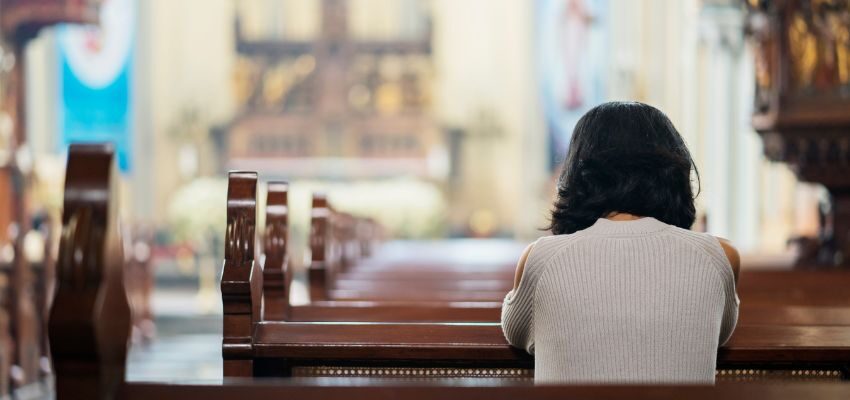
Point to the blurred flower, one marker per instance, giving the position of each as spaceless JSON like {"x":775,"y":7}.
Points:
{"x":406,"y":207}
{"x":198,"y":209}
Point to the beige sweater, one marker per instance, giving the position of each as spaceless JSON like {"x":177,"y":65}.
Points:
{"x":624,"y":302}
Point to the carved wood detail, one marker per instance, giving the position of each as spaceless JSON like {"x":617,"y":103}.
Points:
{"x":319,"y":247}
{"x":241,"y":280}
{"x":802,"y":51}
{"x":277,"y":275}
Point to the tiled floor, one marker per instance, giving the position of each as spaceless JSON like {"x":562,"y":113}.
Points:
{"x":180,"y":358}
{"x":188,"y":343}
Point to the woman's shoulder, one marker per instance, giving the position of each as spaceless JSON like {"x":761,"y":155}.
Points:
{"x":537,"y":254}
{"x":721,"y":250}
{"x":545,"y":247}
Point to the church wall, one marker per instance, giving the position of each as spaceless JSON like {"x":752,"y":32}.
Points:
{"x":484,"y":63}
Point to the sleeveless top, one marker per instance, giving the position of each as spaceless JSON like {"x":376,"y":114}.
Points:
{"x":623,"y":302}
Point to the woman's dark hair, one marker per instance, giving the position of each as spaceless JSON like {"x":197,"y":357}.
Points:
{"x":624,"y":157}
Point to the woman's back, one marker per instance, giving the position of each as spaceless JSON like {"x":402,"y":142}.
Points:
{"x":624,"y":301}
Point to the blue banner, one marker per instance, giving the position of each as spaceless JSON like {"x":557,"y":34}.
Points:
{"x":96,"y":81}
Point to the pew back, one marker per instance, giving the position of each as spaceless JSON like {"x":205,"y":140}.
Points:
{"x":89,"y":323}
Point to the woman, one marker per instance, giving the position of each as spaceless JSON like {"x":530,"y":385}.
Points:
{"x":624,"y":292}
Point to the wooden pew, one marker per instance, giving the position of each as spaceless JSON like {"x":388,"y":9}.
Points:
{"x":14,"y":380}
{"x":288,"y":348}
{"x":24,"y":323}
{"x":90,"y":322}
{"x":45,"y":283}
{"x":357,"y":390}
{"x":332,"y":274}
{"x":323,"y":263}
{"x":277,"y":277}
{"x":25,"y":279}
{"x":802,"y":297}
{"x":91,"y":337}
{"x":139,"y":274}
{"x":7,"y":344}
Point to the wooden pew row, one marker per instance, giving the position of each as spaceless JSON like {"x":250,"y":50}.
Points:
{"x":760,"y":291}
{"x":806,"y":290}
{"x":374,"y":280}
{"x":25,"y":366}
{"x":333,"y":278}
{"x":7,"y":344}
{"x":91,"y":336}
{"x":797,"y":287}
{"x":277,"y":279}
{"x":253,"y":346}
{"x":27,"y":271}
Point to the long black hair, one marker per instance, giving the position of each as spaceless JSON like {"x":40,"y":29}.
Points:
{"x":624,"y":157}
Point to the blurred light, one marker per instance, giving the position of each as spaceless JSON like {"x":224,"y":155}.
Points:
{"x":359,"y":96}
{"x":305,"y":64}
{"x":7,"y":254}
{"x":482,"y":222}
{"x":438,"y":162}
{"x":34,"y":247}
{"x":24,"y":158}
{"x":188,"y":161}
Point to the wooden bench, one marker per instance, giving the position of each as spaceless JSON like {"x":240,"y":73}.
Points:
{"x":277,"y":279}
{"x":809,"y":296}
{"x":332,"y":276}
{"x":26,"y":284}
{"x":254,"y":346}
{"x":90,"y":337}
{"x":415,"y":280}
{"x":90,"y":348}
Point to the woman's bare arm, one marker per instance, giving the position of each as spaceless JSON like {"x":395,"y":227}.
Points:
{"x":520,"y":266}
{"x":732,"y":255}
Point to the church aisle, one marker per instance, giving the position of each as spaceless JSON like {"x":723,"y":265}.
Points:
{"x":187,"y":347}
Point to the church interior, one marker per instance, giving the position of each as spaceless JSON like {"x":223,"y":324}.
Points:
{"x":226,"y":199}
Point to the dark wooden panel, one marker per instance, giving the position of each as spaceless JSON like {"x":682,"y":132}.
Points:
{"x":467,"y":284}
{"x":475,"y":342}
{"x":353,"y":389}
{"x":387,"y":341}
{"x":365,"y":311}
{"x":815,"y":288}
{"x":276,"y":270}
{"x":412,"y":312}
{"x":771,"y":314}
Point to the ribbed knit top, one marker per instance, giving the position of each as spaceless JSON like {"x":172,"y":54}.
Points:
{"x":624,"y":302}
